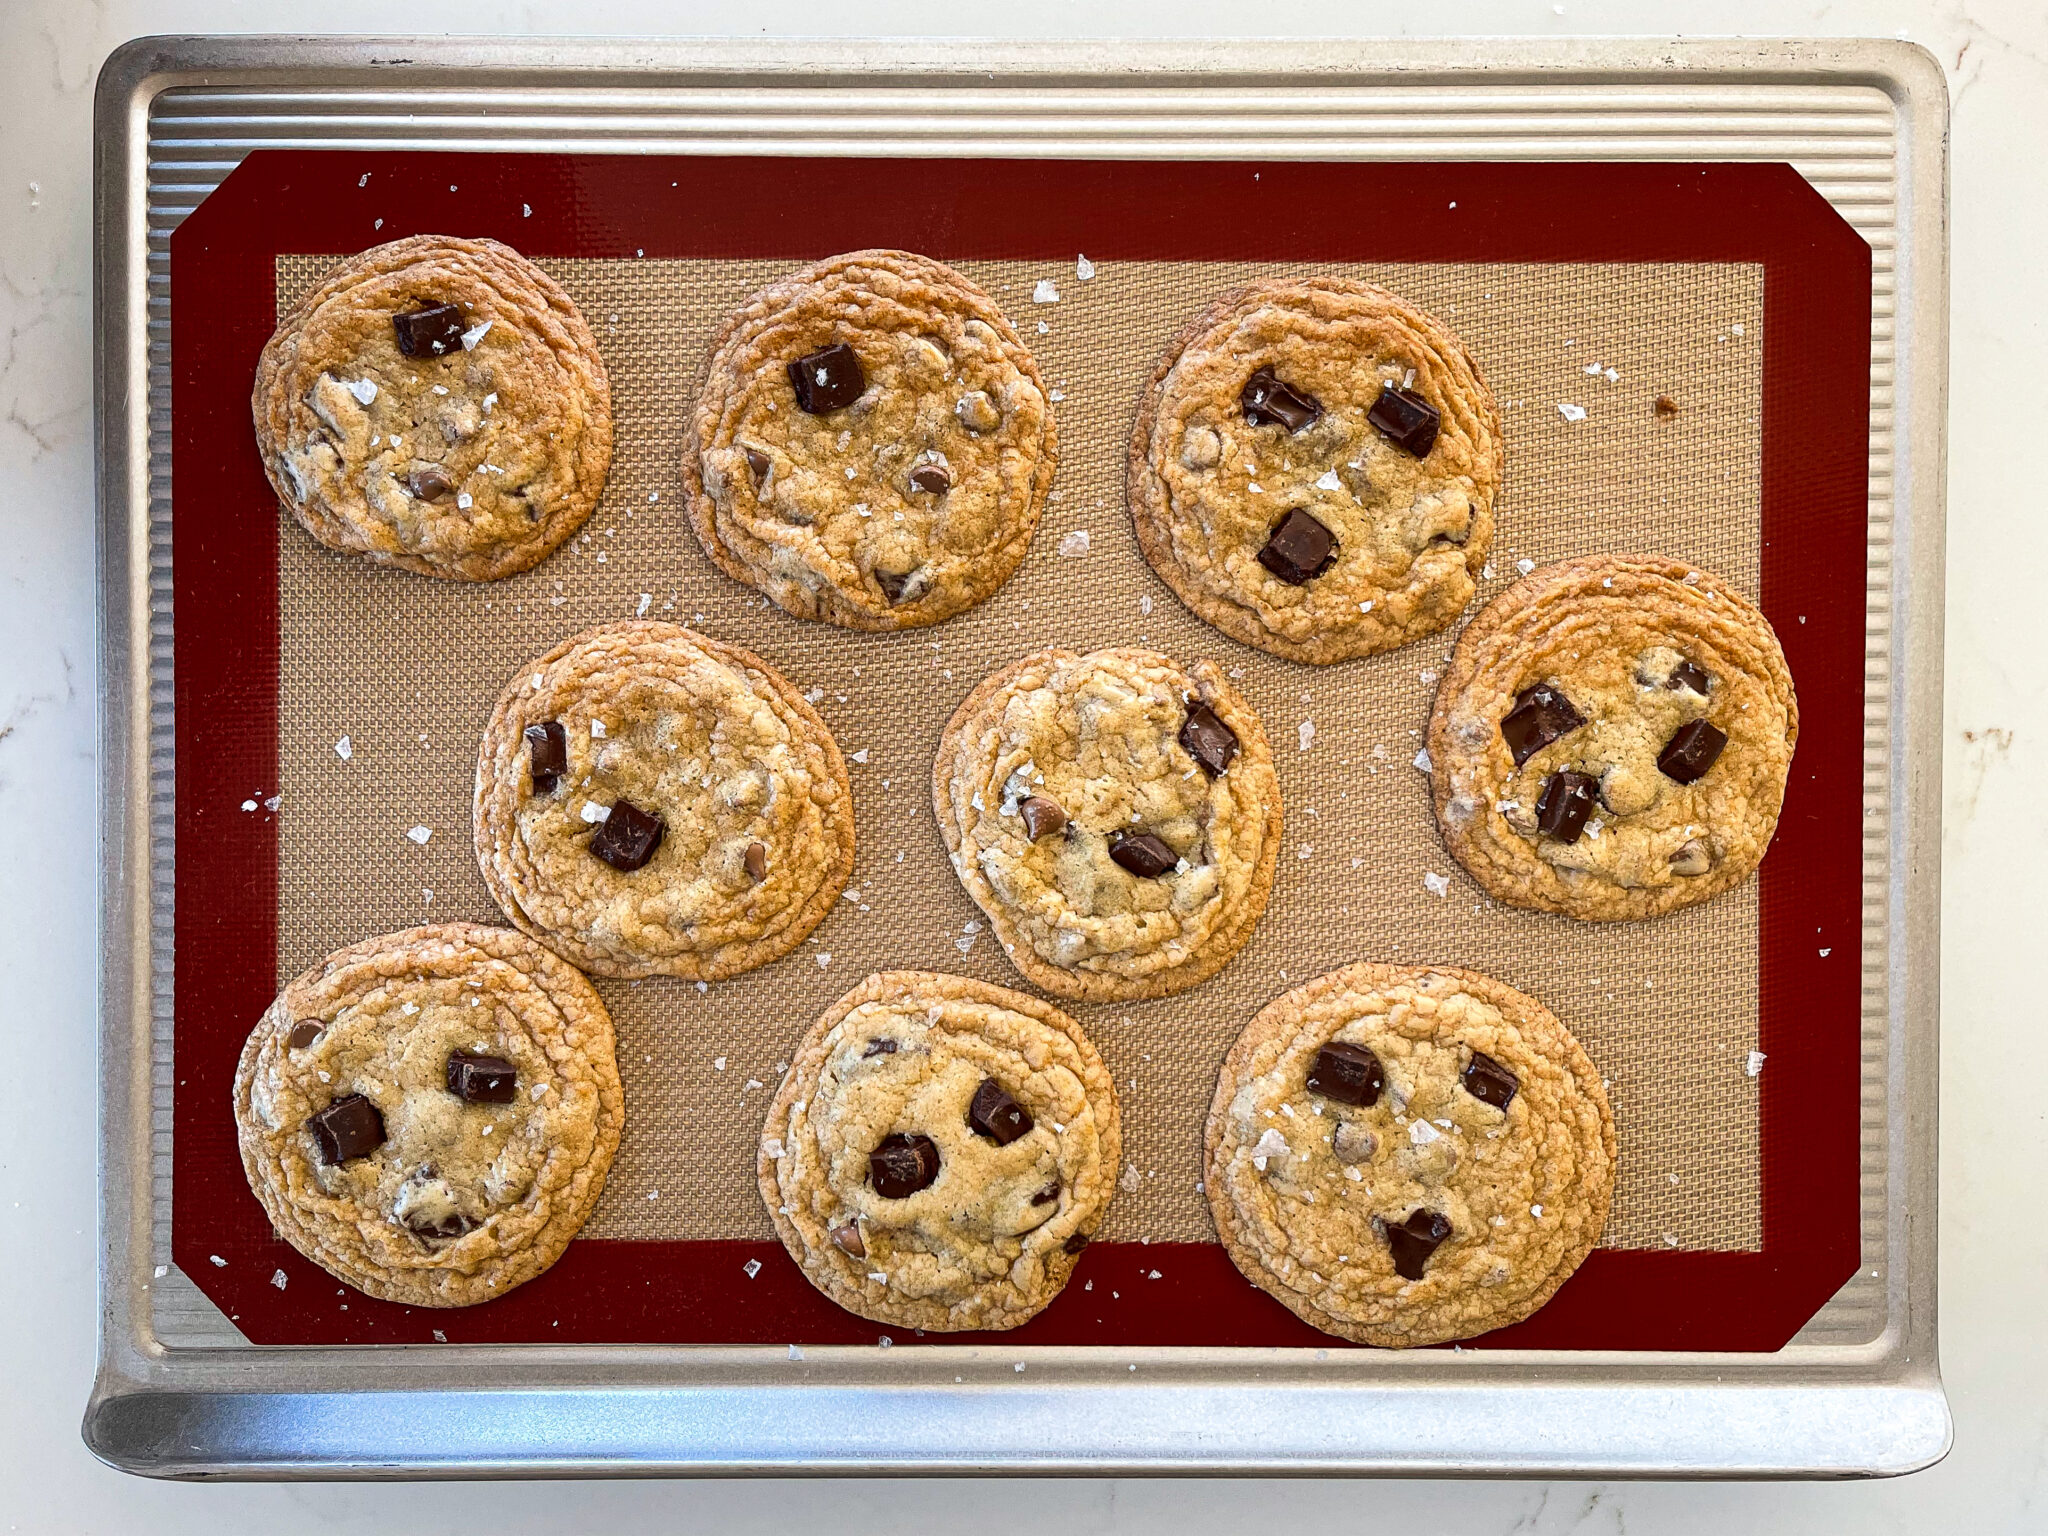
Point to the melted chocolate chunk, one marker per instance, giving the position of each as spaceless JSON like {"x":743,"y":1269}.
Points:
{"x":1268,"y":402}
{"x":900,"y":586}
{"x":1348,"y":1073}
{"x":756,"y":860}
{"x":1207,"y":739}
{"x":932,"y":479}
{"x":1075,"y":1243}
{"x":1298,"y":549}
{"x":304,"y":1033}
{"x":1142,"y":853}
{"x":1692,"y":750}
{"x":547,"y":750}
{"x":429,"y":482}
{"x":1406,"y":420}
{"x":902,"y":1164}
{"x":1042,"y":817}
{"x":347,"y":1128}
{"x":1411,"y":1242}
{"x":1489,"y":1082}
{"x":847,"y":1239}
{"x":1564,"y":805}
{"x":1047,"y":1195}
{"x":996,"y":1115}
{"x":454,"y":1224}
{"x":1690,"y":674}
{"x":881,"y":1047}
{"x":628,"y":837}
{"x":478,"y":1079}
{"x":827,"y":380}
{"x":433,"y":330}
{"x":1541,"y":715}
{"x":758,"y":465}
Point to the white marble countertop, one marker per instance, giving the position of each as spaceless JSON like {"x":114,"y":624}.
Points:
{"x":1994,"y":1275}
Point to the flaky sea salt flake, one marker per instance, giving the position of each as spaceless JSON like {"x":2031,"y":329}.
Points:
{"x":420,"y":835}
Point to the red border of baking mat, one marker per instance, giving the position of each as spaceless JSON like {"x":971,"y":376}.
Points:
{"x":225,"y":524}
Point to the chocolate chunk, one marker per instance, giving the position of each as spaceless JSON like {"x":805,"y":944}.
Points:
{"x":629,"y":836}
{"x":1690,"y":674}
{"x":758,"y":465}
{"x":1406,"y":420}
{"x":1207,"y":739}
{"x":547,"y":750}
{"x":1353,"y":1143}
{"x":1142,"y":853}
{"x":902,"y":1165}
{"x":827,"y":380}
{"x":1541,"y":715}
{"x":1298,"y":549}
{"x":451,"y":1224}
{"x":429,"y":482}
{"x":478,"y":1079}
{"x":1348,"y":1073}
{"x":1489,"y":1082}
{"x":1268,"y":402}
{"x":1047,"y":1195}
{"x":932,"y":479}
{"x":847,"y":1239}
{"x":900,"y":586}
{"x":1411,"y":1242}
{"x":1042,"y":817}
{"x":756,"y":859}
{"x":1692,"y":859}
{"x":304,"y":1033}
{"x":1564,"y":805}
{"x":881,"y":1047}
{"x":347,"y":1128}
{"x":1075,"y":1243}
{"x":996,"y":1115}
{"x":1692,"y":750}
{"x":433,"y":330}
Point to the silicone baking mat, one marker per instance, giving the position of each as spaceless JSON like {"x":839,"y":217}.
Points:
{"x":1733,"y":290}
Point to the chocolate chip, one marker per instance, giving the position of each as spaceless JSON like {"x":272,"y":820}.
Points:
{"x":1047,"y":1195}
{"x":1207,"y":739}
{"x":547,"y":751}
{"x":1411,"y":1242}
{"x":304,"y":1033}
{"x":452,"y":1224}
{"x":1564,"y":805}
{"x":629,"y":836}
{"x":433,"y":330}
{"x":756,"y":859}
{"x":996,"y":1115}
{"x":347,"y":1128}
{"x":1268,"y":402}
{"x":758,"y":465}
{"x":1666,"y":407}
{"x":827,"y":380}
{"x":901,"y":586}
{"x":881,"y":1047}
{"x":1075,"y":1243}
{"x":902,"y":1165}
{"x":1142,"y":853}
{"x":1690,"y":674}
{"x":1692,"y":859}
{"x":1298,"y":549}
{"x":932,"y":479}
{"x":1042,"y":817}
{"x":847,"y":1239}
{"x":1406,"y":420}
{"x":429,"y":482}
{"x":1691,"y":751}
{"x":1541,"y":715}
{"x":478,"y":1079}
{"x":1348,"y":1073}
{"x":1489,"y":1082}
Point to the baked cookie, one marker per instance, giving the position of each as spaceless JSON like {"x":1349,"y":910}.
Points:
{"x":430,"y":1115}
{"x":436,"y":404}
{"x":1611,"y":739}
{"x":650,"y":802}
{"x":939,"y":1152}
{"x":1314,"y":468}
{"x":1405,"y":1155}
{"x":1116,"y":817}
{"x":872,"y":443}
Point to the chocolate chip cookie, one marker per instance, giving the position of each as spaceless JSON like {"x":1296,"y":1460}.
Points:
{"x":940,"y":1151}
{"x":872,"y":443}
{"x":652,"y":802}
{"x":430,"y":1115}
{"x":1116,"y":817}
{"x":1612,"y":738}
{"x":436,"y":404}
{"x":1405,"y":1155}
{"x":1314,"y":468}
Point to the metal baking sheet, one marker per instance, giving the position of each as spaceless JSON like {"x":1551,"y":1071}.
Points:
{"x":181,"y":1391}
